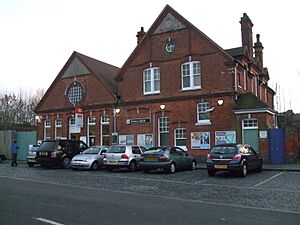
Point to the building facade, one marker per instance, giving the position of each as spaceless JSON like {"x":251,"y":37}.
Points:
{"x":178,"y":87}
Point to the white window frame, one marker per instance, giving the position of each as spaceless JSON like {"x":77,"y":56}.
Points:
{"x":104,"y":121}
{"x":179,"y":134}
{"x":91,"y":122}
{"x":58,"y":124}
{"x":163,"y":126}
{"x":154,"y":77}
{"x":250,"y":123}
{"x":200,"y":110}
{"x":47,"y":126}
{"x":245,"y":80}
{"x":191,"y":75}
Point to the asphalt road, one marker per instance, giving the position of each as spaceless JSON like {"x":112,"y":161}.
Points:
{"x":57,"y":196}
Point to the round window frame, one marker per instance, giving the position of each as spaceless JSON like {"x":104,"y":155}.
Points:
{"x":170,"y":46}
{"x":74,"y":101}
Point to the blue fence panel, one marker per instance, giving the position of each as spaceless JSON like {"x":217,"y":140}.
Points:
{"x":276,"y":146}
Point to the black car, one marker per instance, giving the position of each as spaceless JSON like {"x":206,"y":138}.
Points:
{"x":238,"y":158}
{"x":59,"y":152}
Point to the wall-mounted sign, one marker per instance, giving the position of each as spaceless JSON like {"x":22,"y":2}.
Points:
{"x":225,"y":137}
{"x":200,"y":140}
{"x":263,"y":134}
{"x":126,"y":139}
{"x":138,"y":121}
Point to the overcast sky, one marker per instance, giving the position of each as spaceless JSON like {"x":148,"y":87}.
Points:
{"x":38,"y":36}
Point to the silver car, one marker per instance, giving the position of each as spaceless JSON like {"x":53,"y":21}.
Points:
{"x":123,"y":156}
{"x":91,"y":158}
{"x":31,"y":154}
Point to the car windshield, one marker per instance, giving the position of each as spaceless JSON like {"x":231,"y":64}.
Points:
{"x":116,"y":149}
{"x":47,"y":145}
{"x":91,"y":150}
{"x":224,"y":150}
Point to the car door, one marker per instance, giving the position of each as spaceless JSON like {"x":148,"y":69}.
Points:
{"x":255,"y":156}
{"x":183,"y":160}
{"x":136,"y":151}
{"x":175,"y":157}
{"x":250,"y":157}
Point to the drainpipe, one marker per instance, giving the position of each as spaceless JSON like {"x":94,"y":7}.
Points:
{"x":235,"y":80}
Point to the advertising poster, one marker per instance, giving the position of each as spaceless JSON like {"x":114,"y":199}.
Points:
{"x":126,"y":139}
{"x":200,"y":140}
{"x":225,"y":137}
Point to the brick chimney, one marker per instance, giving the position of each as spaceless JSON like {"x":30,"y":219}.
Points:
{"x":140,"y":35}
{"x":247,"y":39}
{"x":258,"y":47}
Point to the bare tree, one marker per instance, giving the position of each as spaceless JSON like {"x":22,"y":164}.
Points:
{"x":17,"y":111}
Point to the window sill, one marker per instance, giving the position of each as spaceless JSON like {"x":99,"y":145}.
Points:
{"x":152,"y":93}
{"x":191,"y":89}
{"x":202,"y":123}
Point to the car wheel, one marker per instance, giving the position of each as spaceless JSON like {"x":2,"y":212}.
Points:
{"x":172,"y":168}
{"x":132,"y":166}
{"x":193,"y":167}
{"x":66,"y":163}
{"x":30,"y":164}
{"x":211,"y":173}
{"x":244,"y":170}
{"x":260,"y":166}
{"x":94,"y":166}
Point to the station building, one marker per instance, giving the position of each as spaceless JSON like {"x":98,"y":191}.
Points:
{"x":178,"y":87}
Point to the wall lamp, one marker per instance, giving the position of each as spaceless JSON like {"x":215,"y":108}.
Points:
{"x":220,"y":102}
{"x":162,"y":107}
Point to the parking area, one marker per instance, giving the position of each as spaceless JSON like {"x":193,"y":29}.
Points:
{"x":272,"y":190}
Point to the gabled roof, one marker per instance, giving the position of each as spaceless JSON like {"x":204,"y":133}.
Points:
{"x":249,"y":101}
{"x":104,"y":72}
{"x":239,"y":51}
{"x":155,"y":29}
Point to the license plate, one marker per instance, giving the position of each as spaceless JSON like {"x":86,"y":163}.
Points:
{"x":221,"y":166}
{"x":151,"y":158}
{"x":112,"y":162}
{"x":44,"y":153}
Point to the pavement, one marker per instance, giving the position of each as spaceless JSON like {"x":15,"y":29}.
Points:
{"x":290,"y":167}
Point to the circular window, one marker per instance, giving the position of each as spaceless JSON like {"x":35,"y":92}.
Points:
{"x":75,"y":92}
{"x":170,"y":46}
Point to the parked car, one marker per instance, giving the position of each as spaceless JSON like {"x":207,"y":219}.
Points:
{"x":123,"y":156}
{"x":234,"y":158}
{"x":31,"y":154}
{"x":167,"y":158}
{"x":59,"y":152}
{"x":91,"y":158}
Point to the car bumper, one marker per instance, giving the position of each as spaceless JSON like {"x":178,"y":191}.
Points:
{"x":232,"y":167}
{"x":112,"y":163}
{"x":155,"y":165}
{"x":49,"y":161}
{"x":81,"y":165}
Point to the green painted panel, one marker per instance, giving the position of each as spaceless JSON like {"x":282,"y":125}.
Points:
{"x":24,"y":139}
{"x":76,"y":68}
{"x":251,"y":138}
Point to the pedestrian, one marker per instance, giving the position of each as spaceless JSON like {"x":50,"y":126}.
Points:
{"x":14,"y":152}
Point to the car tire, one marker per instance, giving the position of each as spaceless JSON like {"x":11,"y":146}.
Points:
{"x":260,"y":166}
{"x":172,"y":168}
{"x":244,"y":170}
{"x":66,"y":163}
{"x":30,"y":164}
{"x":94,"y":166}
{"x":194,"y":164}
{"x":211,"y":173}
{"x":132,"y":166}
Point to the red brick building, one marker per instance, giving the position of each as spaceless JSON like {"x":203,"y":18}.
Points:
{"x":177,"y":87}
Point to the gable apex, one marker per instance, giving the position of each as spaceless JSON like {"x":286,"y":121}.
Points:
{"x":76,"y":68}
{"x":169,"y":23}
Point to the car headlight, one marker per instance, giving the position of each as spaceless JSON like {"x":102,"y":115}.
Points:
{"x":88,"y":159}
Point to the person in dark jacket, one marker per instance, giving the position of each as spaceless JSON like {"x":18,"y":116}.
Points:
{"x":14,"y":152}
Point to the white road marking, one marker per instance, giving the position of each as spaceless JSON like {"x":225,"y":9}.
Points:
{"x":265,"y":181}
{"x":48,"y":221}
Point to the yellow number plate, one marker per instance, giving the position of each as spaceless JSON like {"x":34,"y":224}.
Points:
{"x":112,"y":162}
{"x":221,"y":166}
{"x":151,"y":158}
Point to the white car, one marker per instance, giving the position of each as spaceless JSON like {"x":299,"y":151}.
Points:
{"x":91,"y":158}
{"x":31,"y":154}
{"x":123,"y":156}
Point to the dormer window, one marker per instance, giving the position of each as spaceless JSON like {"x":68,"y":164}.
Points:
{"x":191,"y":75}
{"x":152,"y":80}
